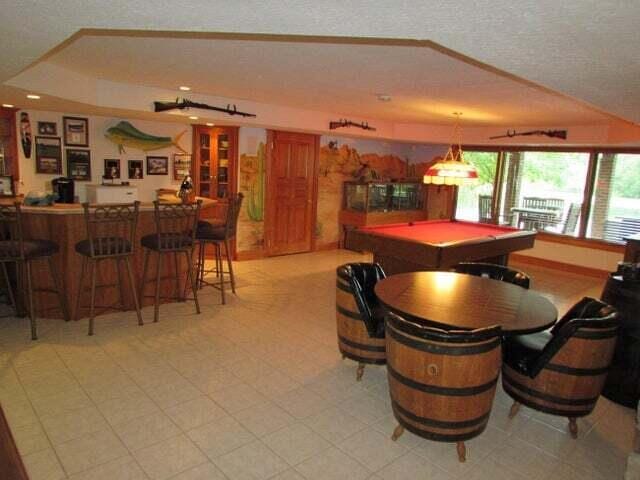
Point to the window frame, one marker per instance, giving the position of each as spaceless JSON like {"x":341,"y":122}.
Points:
{"x":581,"y":240}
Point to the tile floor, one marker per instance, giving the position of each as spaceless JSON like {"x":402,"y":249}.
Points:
{"x":256,"y":389}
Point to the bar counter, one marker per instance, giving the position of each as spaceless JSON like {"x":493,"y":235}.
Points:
{"x":65,"y":225}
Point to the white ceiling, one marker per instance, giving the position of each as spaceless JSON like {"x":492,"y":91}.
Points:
{"x":425,"y":84}
{"x":583,"y":49}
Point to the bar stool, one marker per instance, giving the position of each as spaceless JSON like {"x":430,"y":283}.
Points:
{"x":176,"y":225}
{"x":14,"y":248}
{"x":219,"y":235}
{"x":111,"y":232}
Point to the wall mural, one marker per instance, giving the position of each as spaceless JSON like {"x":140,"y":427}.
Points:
{"x":341,"y":159}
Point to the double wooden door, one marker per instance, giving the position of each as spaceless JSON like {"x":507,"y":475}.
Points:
{"x":292,"y":173}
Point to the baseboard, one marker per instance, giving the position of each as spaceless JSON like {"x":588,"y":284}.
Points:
{"x":327,"y":246}
{"x":250,"y":255}
{"x":565,"y":267}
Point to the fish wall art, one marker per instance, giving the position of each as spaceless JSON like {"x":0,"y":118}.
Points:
{"x":126,"y":135}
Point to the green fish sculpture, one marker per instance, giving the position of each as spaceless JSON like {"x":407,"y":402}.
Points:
{"x":126,"y":135}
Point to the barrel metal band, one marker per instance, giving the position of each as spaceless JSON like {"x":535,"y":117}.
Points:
{"x":432,"y":422}
{"x":438,"y":390}
{"x":348,"y":313}
{"x":344,"y":287}
{"x":518,"y":397}
{"x":361,"y":346}
{"x":545,"y":396}
{"x":596,"y":335}
{"x":579,"y":372}
{"x":423,"y":346}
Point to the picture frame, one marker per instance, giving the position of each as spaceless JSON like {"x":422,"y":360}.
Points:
{"x":78,"y":164}
{"x":181,"y":165}
{"x":157,"y":165}
{"x":111,"y":168}
{"x":49,"y":155}
{"x":135,"y":169}
{"x":7,"y":186}
{"x":75,"y":131}
{"x":48,"y":129}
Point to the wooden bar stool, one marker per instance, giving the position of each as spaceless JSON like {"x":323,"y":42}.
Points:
{"x":111,"y":233}
{"x":14,"y":248}
{"x":219,"y":235}
{"x":176,"y":225}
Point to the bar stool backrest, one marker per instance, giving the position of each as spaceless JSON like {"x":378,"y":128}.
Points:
{"x":111,"y":229}
{"x":176,"y":224}
{"x":11,"y":235}
{"x":233,"y":212}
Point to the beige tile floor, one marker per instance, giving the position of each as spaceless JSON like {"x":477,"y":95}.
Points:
{"x":256,"y":389}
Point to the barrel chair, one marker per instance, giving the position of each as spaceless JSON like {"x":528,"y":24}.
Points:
{"x":359,"y":316}
{"x":496,"y":272}
{"x":562,"y":371}
{"x":442,"y":382}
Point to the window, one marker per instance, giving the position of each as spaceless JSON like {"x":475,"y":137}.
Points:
{"x":544,"y":190}
{"x":474,"y":201}
{"x":615,"y":211}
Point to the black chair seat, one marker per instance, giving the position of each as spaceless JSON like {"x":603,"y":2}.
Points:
{"x":378,"y":314}
{"x":104,"y":246}
{"x":522,"y":351}
{"x":210,"y":231}
{"x":32,"y":248}
{"x":168,"y":241}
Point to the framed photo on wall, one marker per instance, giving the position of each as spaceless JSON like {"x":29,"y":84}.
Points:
{"x":78,"y":164}
{"x":135,"y":168}
{"x":48,"y":155}
{"x":181,"y":165}
{"x":6,"y":186}
{"x":111,"y":168}
{"x":49,"y":129}
{"x":75,"y":131}
{"x":157,"y":165}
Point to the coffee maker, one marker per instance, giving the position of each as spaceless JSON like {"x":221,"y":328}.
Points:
{"x":64,"y":188}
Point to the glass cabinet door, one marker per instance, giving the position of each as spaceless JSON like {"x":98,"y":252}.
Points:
{"x":204,"y":173}
{"x":222,"y":174}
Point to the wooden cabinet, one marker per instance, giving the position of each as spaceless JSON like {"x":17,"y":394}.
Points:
{"x":215,"y":160}
{"x":9,"y":144}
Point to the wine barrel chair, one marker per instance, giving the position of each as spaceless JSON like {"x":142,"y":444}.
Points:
{"x":496,"y":272}
{"x":562,"y":371}
{"x":359,"y":316}
{"x":442,"y":382}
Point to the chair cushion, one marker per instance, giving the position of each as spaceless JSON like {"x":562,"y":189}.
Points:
{"x":168,"y":241}
{"x":521,"y":352}
{"x":32,"y":248}
{"x":104,"y":246}
{"x":210,"y":231}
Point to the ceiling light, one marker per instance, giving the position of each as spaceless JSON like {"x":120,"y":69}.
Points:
{"x":193,"y":117}
{"x":33,"y":96}
{"x":7,"y":105}
{"x":453,"y":169}
{"x":383,"y":97}
{"x":184,"y":88}
{"x":209,"y":124}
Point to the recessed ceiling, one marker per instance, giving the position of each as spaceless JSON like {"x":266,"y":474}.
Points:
{"x":426,"y":84}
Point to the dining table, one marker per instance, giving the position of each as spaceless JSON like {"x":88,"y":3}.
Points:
{"x":457,"y":301}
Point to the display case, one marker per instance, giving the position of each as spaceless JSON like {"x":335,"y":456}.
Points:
{"x":377,"y":203}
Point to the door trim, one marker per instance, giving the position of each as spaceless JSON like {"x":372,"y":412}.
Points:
{"x":269,"y":212}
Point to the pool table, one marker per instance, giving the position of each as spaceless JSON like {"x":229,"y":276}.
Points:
{"x":437,"y":244}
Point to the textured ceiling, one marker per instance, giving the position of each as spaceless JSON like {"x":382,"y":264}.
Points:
{"x":425,"y":84}
{"x":585,"y":49}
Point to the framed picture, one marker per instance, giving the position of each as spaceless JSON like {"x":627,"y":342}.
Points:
{"x":181,"y":165}
{"x":48,"y":155}
{"x":135,"y":168}
{"x":157,"y":165}
{"x":76,"y":131}
{"x":49,"y":129}
{"x":111,"y":168}
{"x":6,"y":186}
{"x":78,"y":164}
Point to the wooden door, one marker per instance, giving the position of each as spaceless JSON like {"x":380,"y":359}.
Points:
{"x":292,"y":175}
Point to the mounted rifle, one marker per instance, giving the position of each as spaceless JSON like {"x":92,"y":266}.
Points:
{"x":349,"y":123}
{"x":547,"y":133}
{"x":185,"y":104}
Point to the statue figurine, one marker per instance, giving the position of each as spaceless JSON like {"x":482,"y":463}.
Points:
{"x":186,"y":190}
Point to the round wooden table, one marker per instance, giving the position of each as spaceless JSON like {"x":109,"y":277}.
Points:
{"x":460,"y":301}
